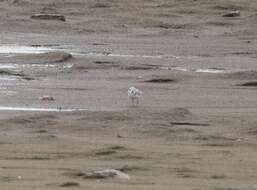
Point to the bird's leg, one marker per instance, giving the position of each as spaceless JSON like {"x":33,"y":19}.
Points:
{"x":132,"y":99}
{"x":137,"y":101}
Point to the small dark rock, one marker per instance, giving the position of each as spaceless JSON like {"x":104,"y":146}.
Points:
{"x":48,"y":17}
{"x":232,"y":14}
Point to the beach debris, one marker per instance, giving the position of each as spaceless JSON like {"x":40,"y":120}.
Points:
{"x":134,"y":94}
{"x":46,"y":98}
{"x":232,"y":14}
{"x":104,"y":174}
{"x":42,"y":16}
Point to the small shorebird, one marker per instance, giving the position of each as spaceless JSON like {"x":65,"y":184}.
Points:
{"x":134,"y":94}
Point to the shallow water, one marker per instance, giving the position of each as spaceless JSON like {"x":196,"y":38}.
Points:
{"x":8,"y":78}
{"x":33,"y":109}
{"x":8,"y":66}
{"x":210,"y":71}
{"x":19,"y":49}
{"x":129,"y":55}
{"x":9,"y":50}
{"x":5,"y":92}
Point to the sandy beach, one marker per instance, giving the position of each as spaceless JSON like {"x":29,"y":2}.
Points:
{"x":64,"y":107}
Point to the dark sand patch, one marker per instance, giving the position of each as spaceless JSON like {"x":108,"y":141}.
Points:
{"x":249,"y":84}
{"x":218,"y":177}
{"x":212,"y":137}
{"x":161,"y":80}
{"x":105,"y":152}
{"x":135,"y":68}
{"x":42,"y":16}
{"x":219,"y":144}
{"x":37,"y":118}
{"x":11,"y":73}
{"x":220,"y":23}
{"x":105,"y":62}
{"x":130,"y":157}
{"x":183,"y":172}
{"x":236,"y":188}
{"x":41,"y":131}
{"x":6,"y":179}
{"x":70,"y":184}
{"x":243,"y":75}
{"x":42,"y":58}
{"x":130,"y":168}
{"x":18,"y":75}
{"x":189,"y":123}
{"x":253,"y":131}
{"x":227,"y":7}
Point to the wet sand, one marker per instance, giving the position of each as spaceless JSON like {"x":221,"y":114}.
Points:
{"x":195,"y":125}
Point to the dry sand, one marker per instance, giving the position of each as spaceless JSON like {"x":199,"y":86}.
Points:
{"x":191,"y":130}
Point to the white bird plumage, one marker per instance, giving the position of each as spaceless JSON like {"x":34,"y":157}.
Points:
{"x":134,"y":94}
